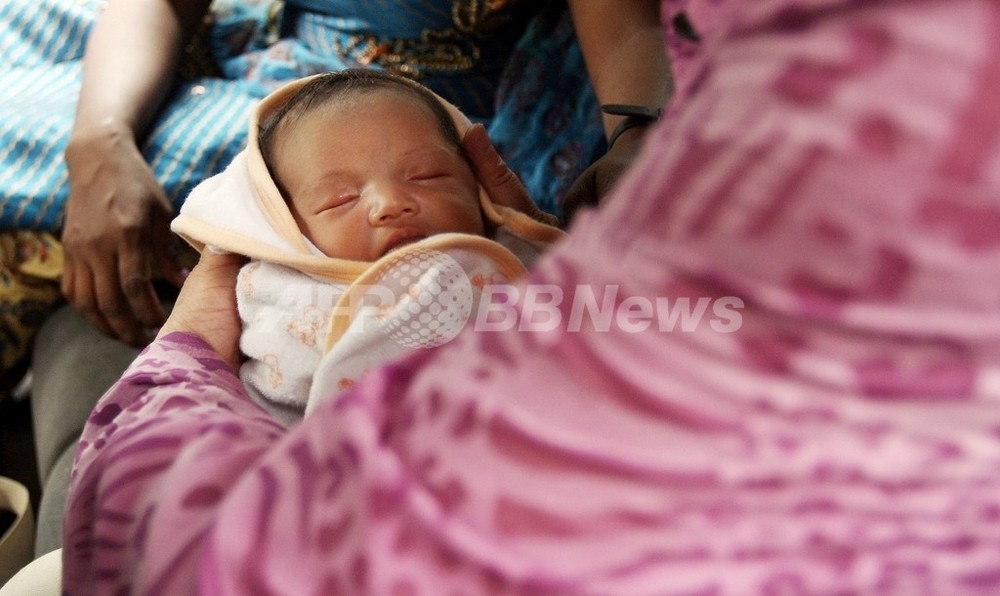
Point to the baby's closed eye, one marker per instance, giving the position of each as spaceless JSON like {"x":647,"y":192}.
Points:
{"x":426,"y":175}
{"x":336,"y":200}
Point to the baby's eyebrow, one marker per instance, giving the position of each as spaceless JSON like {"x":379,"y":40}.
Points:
{"x":330,"y":175}
{"x":431,"y":147}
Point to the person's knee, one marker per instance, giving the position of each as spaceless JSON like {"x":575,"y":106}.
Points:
{"x":73,"y":364}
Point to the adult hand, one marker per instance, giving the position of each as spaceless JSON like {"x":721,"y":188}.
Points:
{"x":116,"y":237}
{"x":206,"y":305}
{"x":597,"y":180}
{"x":500,"y":182}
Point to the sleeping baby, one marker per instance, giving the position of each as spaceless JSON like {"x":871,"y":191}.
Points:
{"x":367,"y":233}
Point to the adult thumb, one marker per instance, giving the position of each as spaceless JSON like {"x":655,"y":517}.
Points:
{"x":500,"y":182}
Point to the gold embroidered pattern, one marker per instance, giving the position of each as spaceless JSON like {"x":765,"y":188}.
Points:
{"x":454,"y":49}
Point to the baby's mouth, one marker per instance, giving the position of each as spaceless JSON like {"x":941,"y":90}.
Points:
{"x":403,"y":238}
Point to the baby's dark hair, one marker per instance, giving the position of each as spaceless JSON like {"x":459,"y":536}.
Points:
{"x":341,"y":84}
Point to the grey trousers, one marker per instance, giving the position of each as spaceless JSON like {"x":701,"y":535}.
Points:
{"x":73,"y":365}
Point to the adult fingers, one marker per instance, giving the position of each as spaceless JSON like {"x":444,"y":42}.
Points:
{"x":172,"y":256}
{"x":113,"y":304}
{"x":143,"y":309}
{"x":500,"y":182}
{"x":78,"y":288}
{"x":206,"y":305}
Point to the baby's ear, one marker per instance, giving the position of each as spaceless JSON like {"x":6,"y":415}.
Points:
{"x":501,"y":184}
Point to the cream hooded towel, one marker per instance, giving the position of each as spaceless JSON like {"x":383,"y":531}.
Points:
{"x":313,"y":324}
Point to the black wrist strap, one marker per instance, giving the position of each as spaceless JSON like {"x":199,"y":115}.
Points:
{"x":634,"y":116}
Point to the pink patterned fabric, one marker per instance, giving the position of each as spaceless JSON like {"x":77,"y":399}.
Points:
{"x":837,"y":169}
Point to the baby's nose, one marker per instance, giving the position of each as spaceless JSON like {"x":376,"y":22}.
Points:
{"x":390,"y":202}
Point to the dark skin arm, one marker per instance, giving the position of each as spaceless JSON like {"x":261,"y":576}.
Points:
{"x":623,"y":47}
{"x":116,"y":234}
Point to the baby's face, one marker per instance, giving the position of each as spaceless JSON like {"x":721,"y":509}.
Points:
{"x":369,"y":174}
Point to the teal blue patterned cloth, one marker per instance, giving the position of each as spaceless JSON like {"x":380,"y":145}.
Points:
{"x":514,"y":65}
